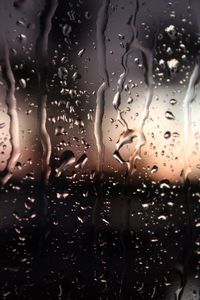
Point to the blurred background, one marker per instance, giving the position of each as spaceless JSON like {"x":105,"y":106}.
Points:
{"x":99,"y":142}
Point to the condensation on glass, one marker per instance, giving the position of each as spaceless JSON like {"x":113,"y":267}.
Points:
{"x":99,"y":141}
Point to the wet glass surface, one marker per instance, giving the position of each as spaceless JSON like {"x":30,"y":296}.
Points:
{"x":99,"y":143}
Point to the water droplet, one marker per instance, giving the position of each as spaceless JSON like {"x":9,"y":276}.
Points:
{"x":130,"y":100}
{"x":171,"y":31}
{"x":67,"y":159}
{"x":62,"y":195}
{"x":81,"y":161}
{"x":164,"y":184}
{"x":66,"y":29}
{"x":167,"y":134}
{"x":78,"y":122}
{"x":172,"y":101}
{"x":2,"y":125}
{"x":18,"y":165}
{"x":154,"y":169}
{"x":76,"y":76}
{"x":173,"y":65}
{"x":80,"y":53}
{"x":162,"y":217}
{"x":22,"y":38}
{"x":62,"y":73}
{"x":59,"y":130}
{"x":169,"y":115}
{"x":22,"y":82}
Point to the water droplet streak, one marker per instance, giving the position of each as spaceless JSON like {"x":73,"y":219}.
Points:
{"x":189,"y":97}
{"x":148,"y":65}
{"x":101,"y":24}
{"x":123,"y":76}
{"x":12,"y":111}
{"x":42,"y":59}
{"x":147,"y":55}
{"x":102,"y":20}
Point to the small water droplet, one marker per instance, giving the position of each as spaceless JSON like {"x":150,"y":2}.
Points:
{"x":81,"y":161}
{"x":62,"y":73}
{"x":22,"y":82}
{"x":173,"y":65}
{"x":169,"y":115}
{"x":172,"y":101}
{"x":197,"y":224}
{"x":154,"y":169}
{"x":171,"y":31}
{"x":66,"y":29}
{"x":80,"y":53}
{"x":162,"y":217}
{"x":167,"y":134}
{"x":67,"y":159}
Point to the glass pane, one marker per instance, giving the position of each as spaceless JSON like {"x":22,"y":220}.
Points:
{"x":99,"y":137}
